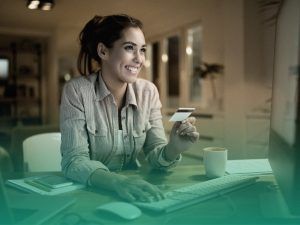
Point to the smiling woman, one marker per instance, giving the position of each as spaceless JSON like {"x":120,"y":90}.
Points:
{"x":125,"y":60}
{"x":109,"y":115}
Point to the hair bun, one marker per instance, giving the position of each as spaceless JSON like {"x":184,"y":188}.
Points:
{"x":98,"y":19}
{"x":88,"y":31}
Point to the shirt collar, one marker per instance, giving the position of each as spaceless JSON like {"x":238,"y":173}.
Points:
{"x":103,"y":91}
{"x":130,"y":96}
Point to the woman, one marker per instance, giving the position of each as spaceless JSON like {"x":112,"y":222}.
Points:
{"x":108,"y":115}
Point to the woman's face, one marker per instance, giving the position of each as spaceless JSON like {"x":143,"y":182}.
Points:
{"x":127,"y":56}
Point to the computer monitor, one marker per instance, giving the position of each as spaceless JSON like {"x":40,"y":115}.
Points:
{"x":284,"y":148}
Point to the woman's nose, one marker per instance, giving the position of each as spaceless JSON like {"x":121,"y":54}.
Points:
{"x":138,"y":57}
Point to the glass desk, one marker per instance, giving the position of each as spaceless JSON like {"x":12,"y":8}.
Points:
{"x":259,"y":203}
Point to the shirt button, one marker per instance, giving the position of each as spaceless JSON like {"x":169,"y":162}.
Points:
{"x":123,"y":118}
{"x":96,"y":131}
{"x":127,"y":155}
{"x":125,"y":136}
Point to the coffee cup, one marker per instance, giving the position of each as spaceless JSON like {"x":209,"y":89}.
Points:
{"x":215,"y":159}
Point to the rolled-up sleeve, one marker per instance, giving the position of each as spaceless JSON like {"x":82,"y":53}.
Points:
{"x":156,"y":140}
{"x":76,"y":163}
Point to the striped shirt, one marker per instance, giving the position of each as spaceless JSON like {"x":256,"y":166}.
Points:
{"x":89,"y":126}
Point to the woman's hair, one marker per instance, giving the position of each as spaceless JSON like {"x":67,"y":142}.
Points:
{"x":106,"y":30}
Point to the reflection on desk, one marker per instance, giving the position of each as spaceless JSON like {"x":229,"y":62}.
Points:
{"x":244,"y":206}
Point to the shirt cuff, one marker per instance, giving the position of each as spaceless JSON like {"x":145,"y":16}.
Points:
{"x":89,"y":182}
{"x":162,"y":160}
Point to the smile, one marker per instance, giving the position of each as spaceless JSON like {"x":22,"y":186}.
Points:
{"x":132,"y":69}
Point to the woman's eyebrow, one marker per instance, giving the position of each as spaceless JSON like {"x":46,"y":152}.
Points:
{"x":132,"y":43}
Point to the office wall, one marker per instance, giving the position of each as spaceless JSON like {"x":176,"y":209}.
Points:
{"x":259,"y":48}
{"x":259,"y":45}
{"x":232,"y":36}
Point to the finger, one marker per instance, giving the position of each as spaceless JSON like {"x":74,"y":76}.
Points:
{"x":155,"y":192}
{"x":177,"y":124}
{"x":140,"y":194}
{"x":152,"y":190}
{"x":182,"y":126}
{"x":127,"y":196}
{"x":193,"y":136}
{"x":186,"y":129}
{"x":191,"y":120}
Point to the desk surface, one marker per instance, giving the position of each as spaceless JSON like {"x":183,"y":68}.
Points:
{"x":256,"y":204}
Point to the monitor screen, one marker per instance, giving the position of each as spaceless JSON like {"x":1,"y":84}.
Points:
{"x":284,"y":150}
{"x":4,"y":68}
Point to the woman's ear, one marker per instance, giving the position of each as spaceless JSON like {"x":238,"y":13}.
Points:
{"x":102,"y":51}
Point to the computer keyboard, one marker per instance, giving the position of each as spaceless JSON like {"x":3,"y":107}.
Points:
{"x":199,"y":192}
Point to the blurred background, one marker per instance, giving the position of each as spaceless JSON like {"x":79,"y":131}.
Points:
{"x":215,"y":55}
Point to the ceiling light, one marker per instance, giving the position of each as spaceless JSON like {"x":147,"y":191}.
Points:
{"x":40,"y":4}
{"x":33,"y":4}
{"x":46,"y":6}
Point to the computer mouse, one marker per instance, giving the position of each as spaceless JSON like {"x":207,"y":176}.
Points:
{"x":124,"y":210}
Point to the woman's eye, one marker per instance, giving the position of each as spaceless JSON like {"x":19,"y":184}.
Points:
{"x":143,"y":50}
{"x":129,"y":47}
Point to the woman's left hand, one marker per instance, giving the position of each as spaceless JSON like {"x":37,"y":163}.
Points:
{"x":183,"y":135}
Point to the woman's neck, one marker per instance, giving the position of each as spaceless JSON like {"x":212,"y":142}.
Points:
{"x":116,"y":87}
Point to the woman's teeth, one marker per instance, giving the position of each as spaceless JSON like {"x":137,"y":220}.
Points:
{"x":132,"y":69}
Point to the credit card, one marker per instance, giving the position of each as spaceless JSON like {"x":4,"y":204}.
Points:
{"x":181,"y":114}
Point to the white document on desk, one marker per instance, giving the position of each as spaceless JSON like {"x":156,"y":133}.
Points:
{"x":248,"y":166}
{"x":22,"y":185}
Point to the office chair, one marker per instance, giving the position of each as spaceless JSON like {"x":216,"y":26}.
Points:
{"x":5,"y":161}
{"x":42,"y":152}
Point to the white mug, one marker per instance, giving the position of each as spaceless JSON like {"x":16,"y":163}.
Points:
{"x":215,"y":159}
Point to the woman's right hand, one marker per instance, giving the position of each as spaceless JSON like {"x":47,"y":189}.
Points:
{"x":132,"y":189}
